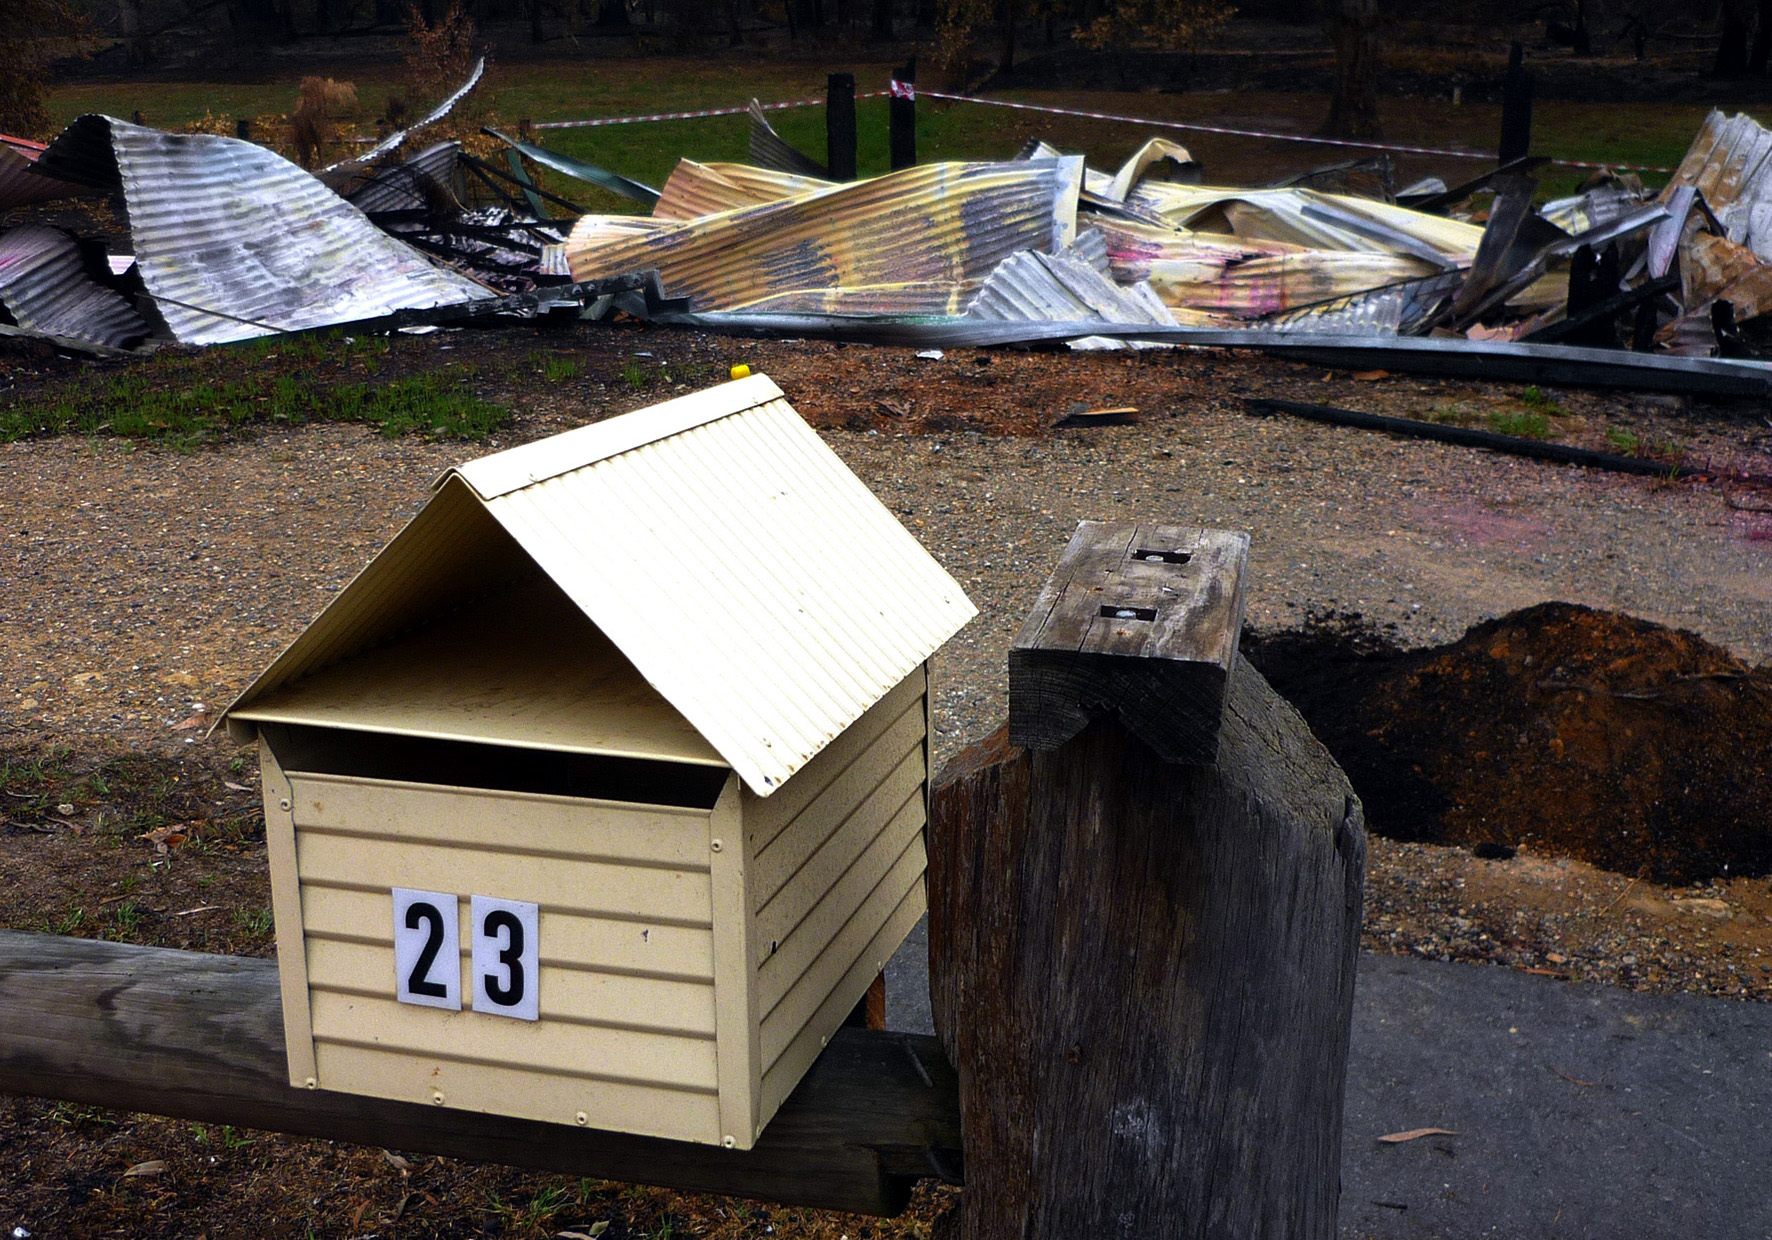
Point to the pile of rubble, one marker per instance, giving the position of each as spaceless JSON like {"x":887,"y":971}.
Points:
{"x":228,"y":240}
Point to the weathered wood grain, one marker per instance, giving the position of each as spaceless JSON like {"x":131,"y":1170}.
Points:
{"x":1139,"y":622}
{"x":201,"y":1037}
{"x":1144,"y":975}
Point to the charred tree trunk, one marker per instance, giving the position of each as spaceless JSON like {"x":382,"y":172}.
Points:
{"x":1143,"y":971}
{"x":1010,"y":13}
{"x":881,"y":25}
{"x":1353,"y":29}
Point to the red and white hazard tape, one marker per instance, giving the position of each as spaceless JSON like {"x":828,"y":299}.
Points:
{"x":687,"y":116}
{"x":908,"y":90}
{"x":1277,"y":137}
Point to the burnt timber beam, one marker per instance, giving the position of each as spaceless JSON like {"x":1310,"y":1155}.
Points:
{"x":200,"y":1037}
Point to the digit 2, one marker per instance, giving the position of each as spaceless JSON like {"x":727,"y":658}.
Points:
{"x":507,"y":957}
{"x":427,"y":948}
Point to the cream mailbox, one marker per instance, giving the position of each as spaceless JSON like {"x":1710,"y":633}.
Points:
{"x":598,"y":797}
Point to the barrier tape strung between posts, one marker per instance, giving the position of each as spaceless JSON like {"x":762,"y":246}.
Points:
{"x":1258,"y":133}
{"x":686,"y":116}
{"x":907,"y":90}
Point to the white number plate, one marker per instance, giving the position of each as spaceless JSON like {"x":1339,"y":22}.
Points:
{"x":507,"y":957}
{"x":427,"y":948}
{"x":506,"y":952}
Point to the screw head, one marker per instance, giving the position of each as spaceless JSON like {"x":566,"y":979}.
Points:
{"x":283,"y":804}
{"x":581,"y":1119}
{"x":717,"y":845}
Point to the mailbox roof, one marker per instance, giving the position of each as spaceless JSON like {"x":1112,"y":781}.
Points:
{"x":753,"y":581}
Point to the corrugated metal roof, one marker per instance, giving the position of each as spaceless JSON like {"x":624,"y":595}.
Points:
{"x":1057,"y":288}
{"x":934,"y":222}
{"x":751,"y":578}
{"x":770,"y":150}
{"x":234,"y":241}
{"x":45,"y":288}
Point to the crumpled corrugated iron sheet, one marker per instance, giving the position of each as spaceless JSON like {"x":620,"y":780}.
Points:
{"x":943,"y":223}
{"x":579,"y":170}
{"x":1221,"y":274}
{"x":1392,"y":310}
{"x":47,"y":292}
{"x":422,"y":183}
{"x":1310,"y":219}
{"x":1730,"y":164}
{"x":1068,"y":287}
{"x":233,"y":241}
{"x":20,"y":182}
{"x":696,"y":189}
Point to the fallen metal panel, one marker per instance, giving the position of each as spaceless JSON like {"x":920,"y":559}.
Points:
{"x":1503,"y":362}
{"x":45,"y":288}
{"x":1032,"y":287}
{"x":234,"y":241}
{"x":934,"y":222}
{"x":1470,"y":437}
{"x":579,"y":170}
{"x":20,"y":182}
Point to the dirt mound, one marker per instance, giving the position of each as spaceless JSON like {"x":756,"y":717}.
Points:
{"x":1585,"y":733}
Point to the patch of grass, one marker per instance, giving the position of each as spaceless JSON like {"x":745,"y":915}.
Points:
{"x":183,"y":401}
{"x":1625,"y":441}
{"x":1535,"y":400}
{"x":559,"y":369}
{"x":259,"y":923}
{"x":1520,"y":425}
{"x":634,"y":375}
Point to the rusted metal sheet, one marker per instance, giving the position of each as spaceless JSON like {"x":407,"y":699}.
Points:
{"x":234,"y":241}
{"x":47,"y":291}
{"x":948,"y":223}
{"x":20,"y":182}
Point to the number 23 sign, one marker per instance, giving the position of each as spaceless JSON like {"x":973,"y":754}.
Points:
{"x":506,"y":955}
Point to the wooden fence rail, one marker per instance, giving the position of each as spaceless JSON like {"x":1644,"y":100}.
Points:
{"x":201,"y":1037}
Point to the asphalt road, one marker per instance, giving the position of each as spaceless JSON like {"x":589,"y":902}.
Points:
{"x":1578,"y":1110}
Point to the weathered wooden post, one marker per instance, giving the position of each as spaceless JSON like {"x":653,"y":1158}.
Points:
{"x":1144,"y":923}
{"x":839,"y":126}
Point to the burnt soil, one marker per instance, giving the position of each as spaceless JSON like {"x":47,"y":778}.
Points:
{"x":1572,"y":731}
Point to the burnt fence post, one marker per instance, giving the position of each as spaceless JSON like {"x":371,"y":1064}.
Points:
{"x":1145,"y":900}
{"x":839,"y":126}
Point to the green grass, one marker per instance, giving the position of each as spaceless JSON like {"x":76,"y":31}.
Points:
{"x":1524,"y":425}
{"x":1625,"y":441}
{"x":1537,"y":402}
{"x":183,"y":401}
